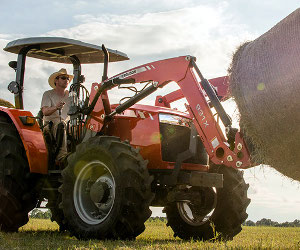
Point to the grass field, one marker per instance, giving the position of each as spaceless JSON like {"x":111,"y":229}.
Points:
{"x":43,"y":234}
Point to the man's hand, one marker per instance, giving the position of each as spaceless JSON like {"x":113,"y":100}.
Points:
{"x":60,"y":105}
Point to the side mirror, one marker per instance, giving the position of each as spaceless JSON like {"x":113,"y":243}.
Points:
{"x":13,"y":87}
{"x":13,"y":65}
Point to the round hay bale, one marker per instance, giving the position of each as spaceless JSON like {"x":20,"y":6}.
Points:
{"x":265,"y":83}
{"x":5,"y":103}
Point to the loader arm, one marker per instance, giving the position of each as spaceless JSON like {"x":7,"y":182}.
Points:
{"x":183,"y":71}
{"x":220,"y":84}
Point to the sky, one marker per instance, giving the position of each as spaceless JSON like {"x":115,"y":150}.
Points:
{"x":148,"y":31}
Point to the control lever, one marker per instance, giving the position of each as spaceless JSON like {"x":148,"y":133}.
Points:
{"x":59,"y":113}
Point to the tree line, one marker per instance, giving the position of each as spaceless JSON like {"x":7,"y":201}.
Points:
{"x":39,"y":214}
{"x":270,"y":223}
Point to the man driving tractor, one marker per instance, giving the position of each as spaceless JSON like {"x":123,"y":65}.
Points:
{"x":55,"y":106}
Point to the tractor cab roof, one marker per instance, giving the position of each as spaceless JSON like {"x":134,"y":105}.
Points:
{"x":58,"y":49}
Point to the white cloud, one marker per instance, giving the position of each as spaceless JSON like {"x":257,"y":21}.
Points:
{"x":272,"y":195}
{"x":200,"y":30}
{"x":208,"y":33}
{"x":133,"y":6}
{"x":203,"y":31}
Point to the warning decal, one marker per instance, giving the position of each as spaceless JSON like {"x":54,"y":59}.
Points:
{"x":215,"y":143}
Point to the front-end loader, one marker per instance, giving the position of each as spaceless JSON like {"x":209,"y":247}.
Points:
{"x":124,"y":158}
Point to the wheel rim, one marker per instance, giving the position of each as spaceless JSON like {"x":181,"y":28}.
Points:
{"x":94,"y":192}
{"x":193,"y":215}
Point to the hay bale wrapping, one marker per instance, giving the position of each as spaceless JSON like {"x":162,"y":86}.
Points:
{"x":265,"y":83}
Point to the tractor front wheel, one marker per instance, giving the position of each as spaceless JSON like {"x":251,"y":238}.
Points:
{"x":219,"y":217}
{"x":106,"y":190}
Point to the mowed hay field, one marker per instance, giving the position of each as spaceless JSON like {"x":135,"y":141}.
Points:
{"x":43,"y":234}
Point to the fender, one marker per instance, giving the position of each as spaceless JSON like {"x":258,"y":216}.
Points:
{"x":32,"y":139}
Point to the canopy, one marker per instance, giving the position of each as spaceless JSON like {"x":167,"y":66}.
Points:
{"x":58,"y":49}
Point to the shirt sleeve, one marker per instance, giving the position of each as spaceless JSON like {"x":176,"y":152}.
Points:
{"x":46,"y":101}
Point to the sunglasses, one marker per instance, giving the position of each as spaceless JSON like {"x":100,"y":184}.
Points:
{"x":63,"y":77}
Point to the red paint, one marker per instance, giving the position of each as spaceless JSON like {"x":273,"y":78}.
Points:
{"x":144,"y":134}
{"x":32,"y":139}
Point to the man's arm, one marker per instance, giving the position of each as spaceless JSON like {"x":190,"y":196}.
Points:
{"x":50,"y":110}
{"x":47,"y":106}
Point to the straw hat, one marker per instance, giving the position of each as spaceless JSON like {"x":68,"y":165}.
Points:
{"x":56,"y":74}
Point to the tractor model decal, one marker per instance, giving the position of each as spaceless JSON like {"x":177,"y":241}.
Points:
{"x":200,"y":112}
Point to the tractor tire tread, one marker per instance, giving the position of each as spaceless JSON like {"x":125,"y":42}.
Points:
{"x":16,"y":197}
{"x":228,"y":216}
{"x":134,"y":208}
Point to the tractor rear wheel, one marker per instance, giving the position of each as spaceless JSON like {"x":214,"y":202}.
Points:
{"x":106,"y":190}
{"x":222,"y":215}
{"x":16,"y":192}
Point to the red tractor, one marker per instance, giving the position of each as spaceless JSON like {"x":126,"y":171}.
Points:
{"x":124,"y":157}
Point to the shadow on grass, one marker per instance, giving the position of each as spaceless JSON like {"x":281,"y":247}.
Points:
{"x":56,"y":239}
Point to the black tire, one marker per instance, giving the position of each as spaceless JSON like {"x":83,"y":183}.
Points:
{"x":106,"y":190}
{"x":228,"y":211}
{"x":54,"y":201}
{"x":17,"y":195}
{"x":57,"y":213}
